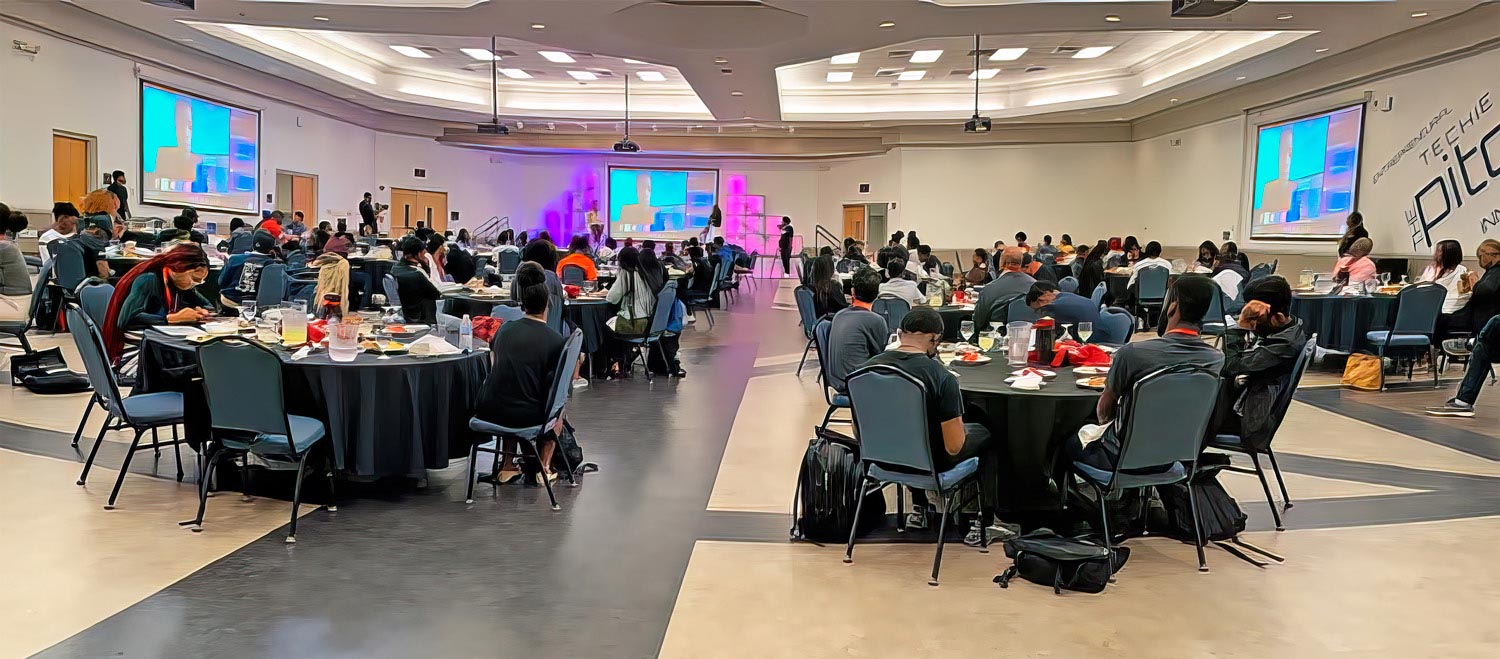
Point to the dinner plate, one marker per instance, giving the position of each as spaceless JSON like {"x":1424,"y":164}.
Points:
{"x":1046,"y":374}
{"x":983,"y":359}
{"x":1083,"y":383}
{"x":1091,"y":370}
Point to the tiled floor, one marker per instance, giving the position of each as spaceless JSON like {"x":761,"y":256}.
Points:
{"x":677,"y":547}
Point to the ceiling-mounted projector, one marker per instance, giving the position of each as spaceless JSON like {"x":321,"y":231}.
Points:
{"x":977,"y":124}
{"x":1204,"y":8}
{"x":174,"y":4}
{"x":627,"y":146}
{"x":492,"y":129}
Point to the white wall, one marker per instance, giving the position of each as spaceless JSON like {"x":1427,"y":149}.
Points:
{"x":1189,"y":191}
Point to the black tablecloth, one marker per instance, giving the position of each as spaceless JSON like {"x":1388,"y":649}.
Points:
{"x":589,"y":316}
{"x":396,"y":416}
{"x":377,"y":269}
{"x":1341,"y":321}
{"x":1062,"y":271}
{"x":953,"y":318}
{"x":1028,"y":429}
{"x":464,"y":302}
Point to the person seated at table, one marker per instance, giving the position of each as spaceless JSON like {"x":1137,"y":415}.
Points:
{"x":1111,"y":259}
{"x":929,"y":263}
{"x":1069,"y":309}
{"x":578,"y":255}
{"x":702,"y":276}
{"x":542,"y":253}
{"x":240,"y":279}
{"x":853,"y":258}
{"x":827,"y":290}
{"x":1046,"y":248}
{"x":1021,"y":242}
{"x":606,"y":253}
{"x":88,"y":247}
{"x":505,"y":242}
{"x":1483,"y":351}
{"x":160,"y":290}
{"x":434,"y":258}
{"x":653,"y":271}
{"x":1065,"y":245}
{"x":459,"y":263}
{"x":672,"y":259}
{"x":632,"y":295}
{"x":1208,"y":255}
{"x":1447,"y":270}
{"x":1179,"y":345}
{"x":1037,"y":269}
{"x":1011,"y":284}
{"x":525,"y":354}
{"x":1484,"y":290}
{"x":856,"y":333}
{"x":1259,"y":354}
{"x":952,"y":440}
{"x":1092,"y":272}
{"x":978,"y":273}
{"x":1356,"y":267}
{"x":181,"y":231}
{"x":340,"y":243}
{"x":898,"y":287}
{"x":1152,"y":259}
{"x":334,"y":277}
{"x":15,"y":280}
{"x":418,"y":295}
{"x":1229,"y":260}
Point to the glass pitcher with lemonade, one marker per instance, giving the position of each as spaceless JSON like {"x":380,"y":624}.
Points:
{"x":293,"y":325}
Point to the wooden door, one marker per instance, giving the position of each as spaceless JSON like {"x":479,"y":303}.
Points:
{"x":854,"y":222}
{"x":305,"y":197}
{"x":403,"y":213}
{"x":411,"y":206}
{"x":434,"y":207}
{"x":70,"y":162}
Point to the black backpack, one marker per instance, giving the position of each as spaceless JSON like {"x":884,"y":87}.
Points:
{"x":1218,"y":512}
{"x":45,"y":372}
{"x":1046,"y":558}
{"x":827,"y":490}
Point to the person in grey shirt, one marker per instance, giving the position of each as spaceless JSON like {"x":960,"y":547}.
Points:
{"x":1181,"y":344}
{"x":1011,"y":283}
{"x":897,"y":286}
{"x":857,"y":333}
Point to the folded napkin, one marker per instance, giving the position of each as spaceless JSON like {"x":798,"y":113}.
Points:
{"x":302,"y":352}
{"x":1080,"y":355}
{"x":1027,"y":382}
{"x":1090,"y":432}
{"x":431,"y":345}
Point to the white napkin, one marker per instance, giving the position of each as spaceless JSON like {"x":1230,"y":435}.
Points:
{"x":1027,"y":382}
{"x":1090,"y":432}
{"x":432,"y":345}
{"x":302,"y":352}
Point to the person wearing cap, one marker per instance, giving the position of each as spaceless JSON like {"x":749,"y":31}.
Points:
{"x":240,"y":278}
{"x":64,"y":225}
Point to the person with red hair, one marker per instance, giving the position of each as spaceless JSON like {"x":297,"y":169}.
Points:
{"x":159,"y":291}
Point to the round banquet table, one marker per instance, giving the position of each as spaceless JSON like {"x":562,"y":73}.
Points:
{"x":464,"y":301}
{"x":1062,"y":271}
{"x":953,"y":317}
{"x":1342,"y":320}
{"x":395,"y":416}
{"x":1025,"y":458}
{"x":588,"y":315}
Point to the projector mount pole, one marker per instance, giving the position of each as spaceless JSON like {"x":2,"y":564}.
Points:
{"x":627,"y":107}
{"x":976,"y":75}
{"x":494,"y":84}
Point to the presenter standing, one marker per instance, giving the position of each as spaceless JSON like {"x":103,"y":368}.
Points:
{"x":786,"y":245}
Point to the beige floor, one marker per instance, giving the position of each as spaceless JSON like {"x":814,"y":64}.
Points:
{"x":77,"y":563}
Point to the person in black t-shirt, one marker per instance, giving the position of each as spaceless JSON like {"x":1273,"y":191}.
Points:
{"x":418,"y":296}
{"x":526,"y":352}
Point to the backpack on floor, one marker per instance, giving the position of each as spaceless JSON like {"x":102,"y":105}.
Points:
{"x":828,"y":486}
{"x":1218,"y":512}
{"x":1046,"y":558}
{"x":45,"y":372}
{"x":567,"y":448}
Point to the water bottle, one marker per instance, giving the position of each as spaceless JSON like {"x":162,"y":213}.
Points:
{"x":466,"y":334}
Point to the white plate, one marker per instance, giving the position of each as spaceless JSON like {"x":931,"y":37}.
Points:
{"x":983,"y":359}
{"x":1083,"y":383}
{"x":1091,"y":370}
{"x":1046,"y":374}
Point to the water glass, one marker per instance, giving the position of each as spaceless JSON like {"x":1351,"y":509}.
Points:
{"x":343,"y":340}
{"x":266,"y":331}
{"x":1085,"y":330}
{"x":1018,"y":342}
{"x":247,"y":311}
{"x":966,"y":329}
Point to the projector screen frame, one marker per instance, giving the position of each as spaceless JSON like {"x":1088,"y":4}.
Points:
{"x":1252,"y":137}
{"x":140,"y":163}
{"x":609,"y":169}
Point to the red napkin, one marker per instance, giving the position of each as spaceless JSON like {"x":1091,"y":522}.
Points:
{"x":572,"y":291}
{"x":317,"y":331}
{"x":1080,"y":355}
{"x":485,"y":327}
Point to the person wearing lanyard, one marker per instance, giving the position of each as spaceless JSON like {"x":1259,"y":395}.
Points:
{"x":160,"y":291}
{"x":1179,"y":345}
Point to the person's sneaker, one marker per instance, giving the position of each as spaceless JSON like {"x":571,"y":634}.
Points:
{"x":1454,"y":407}
{"x":1456,"y":347}
{"x":580,"y":383}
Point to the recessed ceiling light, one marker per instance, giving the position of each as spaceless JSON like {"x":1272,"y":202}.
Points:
{"x":984,"y":74}
{"x":650,"y":76}
{"x":1119,"y":118}
{"x":911,"y":75}
{"x":1283,"y":17}
{"x":1007,"y":54}
{"x":846,"y":58}
{"x":556,"y":56}
{"x":518,"y":74}
{"x":1419,"y":14}
{"x":736,"y":93}
{"x":631,"y":61}
{"x":320,"y":18}
{"x":1321,"y":50}
{"x":1092,"y":51}
{"x":925,"y":56}
{"x":721,"y":60}
{"x":1240,"y":78}
{"x":185,"y":39}
{"x":886,"y":25}
{"x":538,"y":26}
{"x":411,"y":51}
{"x":583,"y":75}
{"x":1111,"y":18}
{"x":480,"y":54}
{"x":1174,"y":100}
{"x":840,"y":76}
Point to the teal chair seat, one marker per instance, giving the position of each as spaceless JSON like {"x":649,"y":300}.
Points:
{"x":1379,"y":337}
{"x":946,"y":480}
{"x":839,"y":400}
{"x":306,"y":431}
{"x":480,"y":425}
{"x":1174,"y":474}
{"x":153,"y":409}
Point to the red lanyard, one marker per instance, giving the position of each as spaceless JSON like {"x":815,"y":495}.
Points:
{"x":1185,"y":332}
{"x":167,"y":290}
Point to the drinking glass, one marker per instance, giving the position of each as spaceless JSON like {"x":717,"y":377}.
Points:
{"x":266,"y":331}
{"x":1018,"y":342}
{"x":1065,"y":330}
{"x":966,"y":329}
{"x":295,"y":305}
{"x":247,"y":311}
{"x":986,"y":341}
{"x":343,"y":340}
{"x":1085,"y":330}
{"x":1385,"y":278}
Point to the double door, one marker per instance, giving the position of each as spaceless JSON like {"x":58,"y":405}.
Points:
{"x":408,"y":207}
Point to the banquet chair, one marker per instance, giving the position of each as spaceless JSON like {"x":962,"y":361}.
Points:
{"x":1417,"y":309}
{"x":531,"y":436}
{"x":270,"y":290}
{"x":836,"y":399}
{"x":1113,"y":322}
{"x":69,"y":270}
{"x":725,"y":274}
{"x":1098,"y":295}
{"x":1068,"y":284}
{"x":1151,"y":290}
{"x":138,"y":412}
{"x":507,"y":262}
{"x":574,"y":275}
{"x":392,"y":296}
{"x":242,"y":383}
{"x":507,"y":313}
{"x":703,"y":301}
{"x":296,"y":260}
{"x":480,"y":262}
{"x":1160,"y":427}
{"x":1254,"y":446}
{"x":890,"y":421}
{"x":946,"y":269}
{"x":93,"y":298}
{"x":555,"y":311}
{"x":893,"y":310}
{"x":1214,"y":323}
{"x":1017,"y":311}
{"x":807,"y":312}
{"x":19,"y":328}
{"x":660,"y":314}
{"x":1076,"y":267}
{"x":1260,"y":270}
{"x":747,"y":275}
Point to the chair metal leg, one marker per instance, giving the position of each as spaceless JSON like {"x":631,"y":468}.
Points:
{"x":1264,"y":485}
{"x":859,"y":505}
{"x":155,"y":444}
{"x":537,"y":451}
{"x":1197,"y":526}
{"x":291,"y":536}
{"x":799,"y":371}
{"x":900,"y":508}
{"x":177,"y":452}
{"x":640,"y":353}
{"x":937,"y":558}
{"x":826,"y":417}
{"x":78,"y":434}
{"x":87,"y":464}
{"x":1104,"y":527}
{"x":124,"y":469}
{"x":206,"y":469}
{"x":474,"y":457}
{"x":1432,"y":353}
{"x":1286,"y":499}
{"x":333,"y":499}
